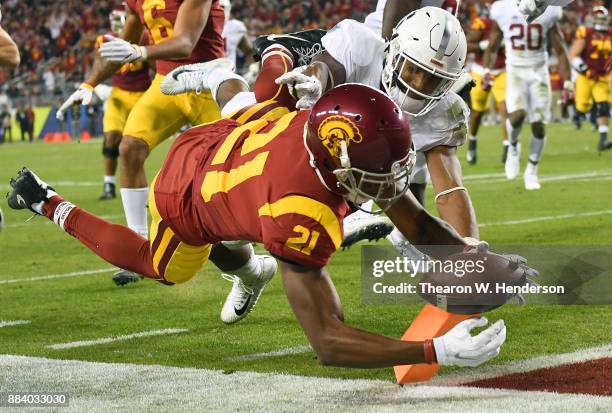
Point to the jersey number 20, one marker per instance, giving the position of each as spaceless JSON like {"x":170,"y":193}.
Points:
{"x":529,"y":36}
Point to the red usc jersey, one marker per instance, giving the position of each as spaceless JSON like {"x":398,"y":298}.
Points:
{"x":597,"y":49}
{"x":159,"y":16}
{"x":133,"y":77}
{"x":485,"y":25}
{"x":231,"y":181}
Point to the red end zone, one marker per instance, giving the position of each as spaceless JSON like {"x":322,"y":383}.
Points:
{"x":591,"y":377}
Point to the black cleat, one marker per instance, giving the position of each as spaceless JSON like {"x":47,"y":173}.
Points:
{"x":604,"y":146}
{"x":108,"y":192}
{"x":124,"y":277}
{"x":471,"y":155}
{"x":303,"y":45}
{"x":28,"y":189}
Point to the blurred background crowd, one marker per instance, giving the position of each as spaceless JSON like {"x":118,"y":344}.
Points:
{"x":56,"y":39}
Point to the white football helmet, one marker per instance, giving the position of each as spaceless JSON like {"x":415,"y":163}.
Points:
{"x":227,"y":8}
{"x":429,"y":39}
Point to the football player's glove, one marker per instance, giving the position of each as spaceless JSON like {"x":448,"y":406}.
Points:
{"x":83,"y":94}
{"x":579,"y":65}
{"x":306,"y":89}
{"x":487,"y":80}
{"x":118,"y":50}
{"x":567,"y":94}
{"x":532,"y":8}
{"x":459,"y":348}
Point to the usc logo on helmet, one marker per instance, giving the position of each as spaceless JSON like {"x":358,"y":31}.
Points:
{"x":336,"y":129}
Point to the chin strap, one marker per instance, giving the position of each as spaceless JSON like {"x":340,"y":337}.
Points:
{"x":448,"y":191}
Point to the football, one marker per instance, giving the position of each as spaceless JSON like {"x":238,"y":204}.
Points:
{"x":472,"y":282}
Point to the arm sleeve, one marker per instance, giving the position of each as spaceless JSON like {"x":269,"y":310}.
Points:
{"x":352,"y":44}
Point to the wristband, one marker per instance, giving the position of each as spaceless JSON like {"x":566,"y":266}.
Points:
{"x":430,"y":352}
{"x":87,"y":86}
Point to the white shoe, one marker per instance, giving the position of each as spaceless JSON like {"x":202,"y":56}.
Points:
{"x":361,"y":225}
{"x":1,"y":219}
{"x":531,"y":177}
{"x":512,"y":165}
{"x":192,"y":78}
{"x":246,"y":291}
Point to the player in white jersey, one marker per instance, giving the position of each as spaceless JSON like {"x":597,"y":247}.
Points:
{"x":353,"y":53}
{"x":417,"y":74}
{"x":528,"y":91}
{"x":235,"y":36}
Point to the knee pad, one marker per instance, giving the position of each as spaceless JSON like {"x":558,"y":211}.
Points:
{"x":603,"y":109}
{"x":112,"y":153}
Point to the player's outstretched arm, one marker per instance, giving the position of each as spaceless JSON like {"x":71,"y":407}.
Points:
{"x":452,"y":199}
{"x":9,"y":54}
{"x":495,"y":41}
{"x":394,"y":11}
{"x":557,"y":43}
{"x":317,"y":307}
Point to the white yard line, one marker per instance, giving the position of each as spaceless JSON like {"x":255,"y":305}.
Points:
{"x":276,"y":353}
{"x":112,"y":386}
{"x":489,"y":370}
{"x":547,"y":218}
{"x":10,"y":323}
{"x":500,"y":177}
{"x":106,"y":340}
{"x":54,"y":276}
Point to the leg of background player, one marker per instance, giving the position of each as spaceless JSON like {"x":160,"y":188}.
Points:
{"x":110,"y":153}
{"x":501,"y":108}
{"x":514,"y":125}
{"x":603,"y":111}
{"x":475,"y":119}
{"x":536,"y":147}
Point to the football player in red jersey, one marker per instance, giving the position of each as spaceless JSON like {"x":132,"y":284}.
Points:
{"x":495,"y":82}
{"x":128,"y":84}
{"x":232,"y":179}
{"x":589,"y":53}
{"x":182,"y":31}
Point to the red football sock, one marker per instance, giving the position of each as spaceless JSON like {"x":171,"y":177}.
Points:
{"x":113,"y":243}
{"x":276,"y":61}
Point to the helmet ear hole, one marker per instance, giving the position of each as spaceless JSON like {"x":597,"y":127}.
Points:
{"x":337,"y":108}
{"x":358,"y":118}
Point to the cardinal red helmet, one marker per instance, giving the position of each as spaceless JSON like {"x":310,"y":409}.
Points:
{"x":117,"y":18}
{"x":360,"y":144}
{"x":600,"y":19}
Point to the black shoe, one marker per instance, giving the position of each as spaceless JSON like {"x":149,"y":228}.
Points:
{"x":604,"y":146}
{"x":108,"y":192}
{"x":303,"y":45}
{"x":28,"y":189}
{"x":123,"y":277}
{"x":471,"y":155}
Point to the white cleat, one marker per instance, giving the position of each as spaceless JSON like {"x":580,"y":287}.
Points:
{"x":512,"y":165}
{"x":192,"y":78}
{"x":362,"y":225}
{"x":246,"y":291}
{"x":531,"y":177}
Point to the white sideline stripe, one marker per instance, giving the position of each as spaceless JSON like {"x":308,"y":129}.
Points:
{"x":10,"y":323}
{"x":60,"y":184}
{"x":104,"y":386}
{"x":107,"y":340}
{"x":495,"y":177}
{"x":54,"y":276}
{"x":489,"y":370}
{"x":547,"y":218}
{"x":276,"y":353}
{"x":47,"y":221}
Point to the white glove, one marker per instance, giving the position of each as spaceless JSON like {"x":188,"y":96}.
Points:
{"x":306,"y":89}
{"x":118,"y":50}
{"x":459,"y":348}
{"x":483,"y":44}
{"x":579,"y":65}
{"x":83,"y":94}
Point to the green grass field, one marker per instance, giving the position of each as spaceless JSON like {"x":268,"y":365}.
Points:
{"x":572,"y":208}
